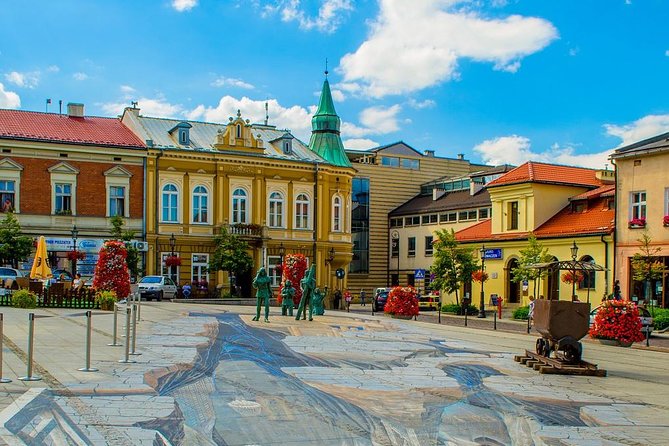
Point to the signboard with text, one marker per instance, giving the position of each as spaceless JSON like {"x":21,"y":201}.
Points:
{"x":493,"y":253}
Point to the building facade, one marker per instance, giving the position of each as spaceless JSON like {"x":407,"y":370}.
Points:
{"x":642,"y":206}
{"x":65,"y":176}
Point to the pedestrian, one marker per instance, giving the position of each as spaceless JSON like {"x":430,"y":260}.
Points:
{"x":617,"y":295}
{"x":337,"y":299}
{"x":530,"y":312}
{"x":347,"y":298}
{"x":362,"y":297}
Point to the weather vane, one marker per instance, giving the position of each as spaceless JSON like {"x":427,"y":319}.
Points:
{"x":326,"y":67}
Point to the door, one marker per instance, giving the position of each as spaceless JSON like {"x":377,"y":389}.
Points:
{"x":169,"y":288}
{"x":513,"y":288}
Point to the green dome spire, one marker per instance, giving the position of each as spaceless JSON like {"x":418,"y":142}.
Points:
{"x":325,"y":140}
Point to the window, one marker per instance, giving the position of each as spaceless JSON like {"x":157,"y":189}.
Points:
{"x":239,"y":130}
{"x":275,"y":210}
{"x":467,"y":215}
{"x":483,"y":214}
{"x":63,"y":198}
{"x":429,"y":219}
{"x":390,"y":161}
{"x":410,"y":164}
{"x":199,"y":275}
{"x":450,"y":217}
{"x":183,"y":136}
{"x":302,"y":212}
{"x":239,"y":206}
{"x":411,"y":221}
{"x":200,"y":205}
{"x":117,"y":201}
{"x":396,"y":223}
{"x":588,"y":276}
{"x":360,"y":225}
{"x":513,"y":215}
{"x":272,"y":271}
{"x":428,"y":245}
{"x":169,"y":271}
{"x":395,"y":248}
{"x":170,"y":203}
{"x":336,"y":214}
{"x":7,"y":195}
{"x":638,"y":205}
{"x":411,"y":247}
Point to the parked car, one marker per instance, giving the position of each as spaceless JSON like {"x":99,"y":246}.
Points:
{"x":157,"y":287}
{"x":66,"y":274}
{"x":8,"y":273}
{"x":428,"y":302}
{"x":647,"y":323}
{"x":380,"y":299}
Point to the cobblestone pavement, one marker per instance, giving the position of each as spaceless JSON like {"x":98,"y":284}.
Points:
{"x":208,"y":375}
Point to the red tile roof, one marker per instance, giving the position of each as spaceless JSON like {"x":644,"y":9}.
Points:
{"x":36,"y":126}
{"x":604,"y":191}
{"x":533,"y":172}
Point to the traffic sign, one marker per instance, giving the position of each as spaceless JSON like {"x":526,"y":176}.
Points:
{"x":419,"y":274}
{"x":340,"y":273}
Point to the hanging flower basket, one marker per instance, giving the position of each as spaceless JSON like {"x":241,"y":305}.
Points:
{"x":617,"y":320}
{"x":479,"y":276}
{"x":637,"y":223}
{"x":665,"y":220}
{"x":76,"y":255}
{"x":172,"y":261}
{"x":572,"y":277}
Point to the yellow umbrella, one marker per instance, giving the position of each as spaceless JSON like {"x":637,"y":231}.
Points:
{"x":41,"y":269}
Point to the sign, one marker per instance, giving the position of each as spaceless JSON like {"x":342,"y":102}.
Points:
{"x":340,"y":273}
{"x":87,"y":245}
{"x":494,"y":253}
{"x":419,"y":274}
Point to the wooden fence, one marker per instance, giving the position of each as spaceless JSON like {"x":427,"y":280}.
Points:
{"x":57,"y":297}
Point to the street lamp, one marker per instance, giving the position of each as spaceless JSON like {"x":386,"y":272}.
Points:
{"x":482,"y":303}
{"x":282,"y":252}
{"x":574,"y":253}
{"x":173,"y":242}
{"x":331,"y":256}
{"x":74,"y":233}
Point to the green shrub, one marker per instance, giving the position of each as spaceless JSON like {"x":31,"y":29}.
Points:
{"x":660,"y":318}
{"x":106,"y":300}
{"x":24,"y":299}
{"x":521,"y":313}
{"x":457,"y":309}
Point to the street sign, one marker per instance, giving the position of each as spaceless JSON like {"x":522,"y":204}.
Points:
{"x":494,"y":253}
{"x":419,"y":274}
{"x":340,"y":273}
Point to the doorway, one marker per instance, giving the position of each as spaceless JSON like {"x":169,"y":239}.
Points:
{"x":553,"y":282}
{"x":513,"y":288}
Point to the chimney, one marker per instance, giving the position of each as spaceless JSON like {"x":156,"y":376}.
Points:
{"x":429,"y":153}
{"x":437,"y":194}
{"x":461,"y":156}
{"x":75,"y":110}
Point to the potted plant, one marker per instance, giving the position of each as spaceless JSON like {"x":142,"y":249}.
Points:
{"x":171,"y":261}
{"x":572,"y":277}
{"x":76,"y":255}
{"x":106,"y":299}
{"x":402,"y":302}
{"x":479,"y":276}
{"x":637,"y":223}
{"x":617,"y":321}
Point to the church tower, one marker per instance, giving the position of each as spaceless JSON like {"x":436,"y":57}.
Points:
{"x":325,"y":139}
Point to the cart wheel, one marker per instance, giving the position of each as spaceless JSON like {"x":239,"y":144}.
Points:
{"x":572,"y":353}
{"x":550,"y":346}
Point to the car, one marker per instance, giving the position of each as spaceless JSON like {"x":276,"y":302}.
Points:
{"x":156,"y":287}
{"x":647,"y":323}
{"x":380,"y":299}
{"x":66,"y":274}
{"x":428,"y":302}
{"x":9,"y":273}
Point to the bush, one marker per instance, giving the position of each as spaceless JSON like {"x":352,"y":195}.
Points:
{"x":402,"y":301}
{"x":24,"y":299}
{"x":521,"y":313}
{"x":457,"y":309}
{"x":106,"y":300}
{"x":660,"y":318}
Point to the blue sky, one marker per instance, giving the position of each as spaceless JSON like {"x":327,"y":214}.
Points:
{"x":497,"y":80}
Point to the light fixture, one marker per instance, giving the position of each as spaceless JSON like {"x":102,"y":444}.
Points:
{"x":574,"y":251}
{"x":331,"y":256}
{"x":173,"y":242}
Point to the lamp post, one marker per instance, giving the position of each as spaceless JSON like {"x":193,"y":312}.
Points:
{"x":331,"y":256}
{"x":74,"y":233}
{"x":282,"y":252}
{"x":574,"y":253}
{"x":482,"y":303}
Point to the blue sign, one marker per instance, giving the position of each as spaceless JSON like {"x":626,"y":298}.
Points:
{"x":495,"y":253}
{"x":419,"y":274}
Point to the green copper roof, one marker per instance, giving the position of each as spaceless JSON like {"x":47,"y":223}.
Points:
{"x":325,"y":140}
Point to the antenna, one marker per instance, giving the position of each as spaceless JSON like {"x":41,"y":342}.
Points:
{"x":266,"y":112}
{"x":134,"y":104}
{"x":326,"y":67}
{"x":60,"y":107}
{"x":46,"y":106}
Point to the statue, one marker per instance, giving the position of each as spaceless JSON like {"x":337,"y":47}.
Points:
{"x":319,"y":296}
{"x":262,"y":284}
{"x":308,"y":284}
{"x":287,"y":294}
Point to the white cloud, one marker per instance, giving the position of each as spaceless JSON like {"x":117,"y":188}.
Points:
{"x":184,"y":5}
{"x":231,"y":82}
{"x":430,"y":37}
{"x":79,"y":76}
{"x":126,"y":89}
{"x":377,"y":120}
{"x":574,"y":51}
{"x":516,"y":150}
{"x":646,"y":127}
{"x":26,"y":80}
{"x":360,"y":144}
{"x":419,"y":105}
{"x":330,"y":16}
{"x":8,"y":99}
{"x":666,"y":53}
{"x":158,"y":107}
{"x":53,"y":69}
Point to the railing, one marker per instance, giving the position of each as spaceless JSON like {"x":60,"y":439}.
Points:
{"x":58,"y":298}
{"x":246,"y":230}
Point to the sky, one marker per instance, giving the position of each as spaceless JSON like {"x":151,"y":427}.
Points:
{"x":501,"y":81}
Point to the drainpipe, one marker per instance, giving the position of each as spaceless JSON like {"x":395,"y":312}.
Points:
{"x":606,"y":265}
{"x":314,"y":248}
{"x":615,"y":221}
{"x":157,"y":204}
{"x":144,"y":167}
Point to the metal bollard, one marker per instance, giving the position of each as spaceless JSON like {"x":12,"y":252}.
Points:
{"x":127,"y":359}
{"x":134,"y":330}
{"x":528,"y":324}
{"x":31,"y":331}
{"x":115,"y":331}
{"x":2,"y":323}
{"x":647,"y":338}
{"x":466,"y":311}
{"x":89,"y":330}
{"x":139,"y":307}
{"x":494,"y":321}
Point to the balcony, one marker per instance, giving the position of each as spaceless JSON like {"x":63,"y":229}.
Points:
{"x":247,"y":230}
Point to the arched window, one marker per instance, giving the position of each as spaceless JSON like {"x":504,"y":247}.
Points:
{"x":200,"y":205}
{"x":276,"y":210}
{"x":588,"y":276}
{"x":336,"y":214}
{"x":170,"y":203}
{"x":302,"y":204}
{"x":239,"y":130}
{"x":239,"y":206}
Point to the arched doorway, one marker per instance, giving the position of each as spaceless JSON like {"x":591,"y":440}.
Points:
{"x":552,"y":289}
{"x":512,"y":288}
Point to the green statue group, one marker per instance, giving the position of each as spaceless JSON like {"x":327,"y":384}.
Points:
{"x":312,"y":296}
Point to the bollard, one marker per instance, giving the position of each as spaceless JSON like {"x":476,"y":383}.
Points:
{"x":466,"y":311}
{"x":115,"y":330}
{"x":89,"y":330}
{"x":647,"y":338}
{"x":31,"y":331}
{"x":127,"y":359}
{"x":2,"y":322}
{"x":134,"y":330}
{"x":528,"y":324}
{"x":139,"y":307}
{"x":494,"y":321}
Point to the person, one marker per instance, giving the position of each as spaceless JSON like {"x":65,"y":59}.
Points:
{"x":348,"y":298}
{"x":337,"y":299}
{"x":262,"y":284}
{"x":617,"y":295}
{"x":362,"y":297}
{"x":574,"y":298}
{"x":307,"y":284}
{"x":76,"y":283}
{"x":287,"y":303}
{"x":7,"y":206}
{"x":61,"y":277}
{"x":530,"y":313}
{"x":187,"y":290}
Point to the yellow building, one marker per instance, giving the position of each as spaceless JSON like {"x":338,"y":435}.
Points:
{"x":562,"y":206}
{"x":642,"y":193}
{"x":257,"y":181}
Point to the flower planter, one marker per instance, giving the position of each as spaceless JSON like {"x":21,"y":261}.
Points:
{"x":614,"y":342}
{"x":637,"y":226}
{"x":406,"y":317}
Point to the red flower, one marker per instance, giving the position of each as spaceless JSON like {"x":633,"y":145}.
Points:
{"x":618,"y":320}
{"x":294,"y":267}
{"x":479,"y":276}
{"x":172,"y":261}
{"x":403,"y":301}
{"x":572,"y":277}
{"x":76,"y":255}
{"x":111,"y":271}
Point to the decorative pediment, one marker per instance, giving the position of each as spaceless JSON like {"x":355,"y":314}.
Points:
{"x":201,"y":171}
{"x":238,"y":136}
{"x":118,"y":171}
{"x":63,"y":167}
{"x":171,"y":168}
{"x":9,"y":164}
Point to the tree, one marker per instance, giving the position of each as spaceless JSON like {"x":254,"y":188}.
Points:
{"x":453,"y":265}
{"x":111,"y":271}
{"x":231,"y":255}
{"x":532,"y":254}
{"x":117,"y":232}
{"x":646,"y":265}
{"x":14,"y":246}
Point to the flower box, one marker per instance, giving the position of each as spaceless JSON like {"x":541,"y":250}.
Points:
{"x":637,"y":223}
{"x":172,"y":261}
{"x":665,"y":220}
{"x":617,"y":320}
